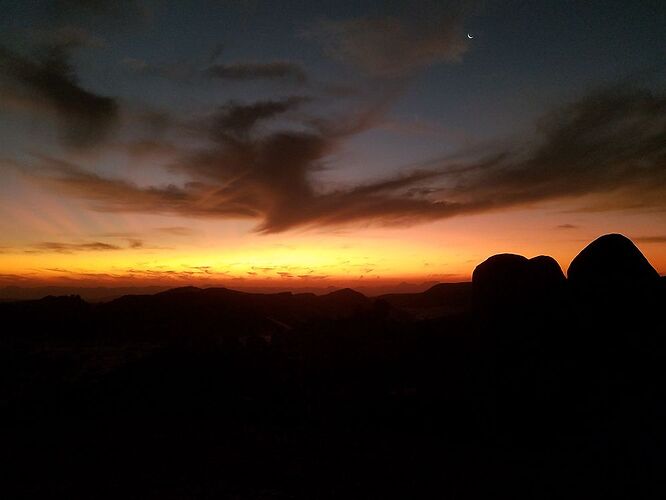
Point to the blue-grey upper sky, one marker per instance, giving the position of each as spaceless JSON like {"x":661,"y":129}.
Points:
{"x":295,"y":114}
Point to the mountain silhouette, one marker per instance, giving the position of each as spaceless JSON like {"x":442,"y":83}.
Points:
{"x":520,"y":384}
{"x":443,"y":299}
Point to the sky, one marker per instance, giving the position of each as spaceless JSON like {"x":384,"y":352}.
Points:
{"x":298,"y":144}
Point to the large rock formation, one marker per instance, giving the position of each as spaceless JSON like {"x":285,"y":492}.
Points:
{"x":508,"y":281}
{"x":611,"y":261}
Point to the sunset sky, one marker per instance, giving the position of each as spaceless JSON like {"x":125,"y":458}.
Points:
{"x":306,"y":143}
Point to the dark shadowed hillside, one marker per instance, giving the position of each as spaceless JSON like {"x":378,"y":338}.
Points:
{"x":521,"y":384}
{"x":443,"y":299}
{"x":90,"y":294}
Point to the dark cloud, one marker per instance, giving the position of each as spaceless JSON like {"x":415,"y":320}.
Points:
{"x":236,"y":120}
{"x":566,"y":226}
{"x":148,"y":149}
{"x":392,"y":46}
{"x":244,"y":71}
{"x":117,"y":195}
{"x":277,"y":194}
{"x":608,"y":146}
{"x":47,"y":82}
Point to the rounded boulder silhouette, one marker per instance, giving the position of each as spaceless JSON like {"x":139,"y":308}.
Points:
{"x":613,"y":261}
{"x":545,"y":272}
{"x":505,"y":281}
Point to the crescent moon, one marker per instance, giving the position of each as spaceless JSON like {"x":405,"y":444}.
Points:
{"x":469,"y":36}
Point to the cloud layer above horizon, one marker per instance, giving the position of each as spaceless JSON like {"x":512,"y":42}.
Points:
{"x":608,"y":144}
{"x":266,"y":159}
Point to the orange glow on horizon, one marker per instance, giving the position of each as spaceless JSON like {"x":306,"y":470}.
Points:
{"x":172,"y":251}
{"x":446,"y":251}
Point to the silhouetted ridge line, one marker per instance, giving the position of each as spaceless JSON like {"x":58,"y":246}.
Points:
{"x":181,"y":290}
{"x":443,"y":299}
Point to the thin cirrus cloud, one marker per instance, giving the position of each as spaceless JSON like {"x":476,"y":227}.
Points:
{"x":608,"y":145}
{"x":56,"y":247}
{"x":80,"y":247}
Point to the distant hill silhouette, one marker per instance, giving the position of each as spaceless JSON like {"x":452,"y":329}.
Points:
{"x":285,"y":306}
{"x":440,"y":300}
{"x":107,"y":294}
{"x":90,"y":294}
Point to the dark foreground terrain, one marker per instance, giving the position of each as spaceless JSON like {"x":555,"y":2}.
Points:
{"x":522,"y":384}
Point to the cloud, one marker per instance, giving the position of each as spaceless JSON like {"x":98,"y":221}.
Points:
{"x":177,"y":230}
{"x":279,"y":199}
{"x":78,"y":247}
{"x":566,"y":226}
{"x":245,"y":71}
{"x":393,"y":46}
{"x":16,"y":278}
{"x":607,"y":147}
{"x":117,"y":195}
{"x":135,"y":243}
{"x":52,"y":246}
{"x":234,"y":119}
{"x":148,"y":149}
{"x":650,"y":239}
{"x":47,"y":82}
